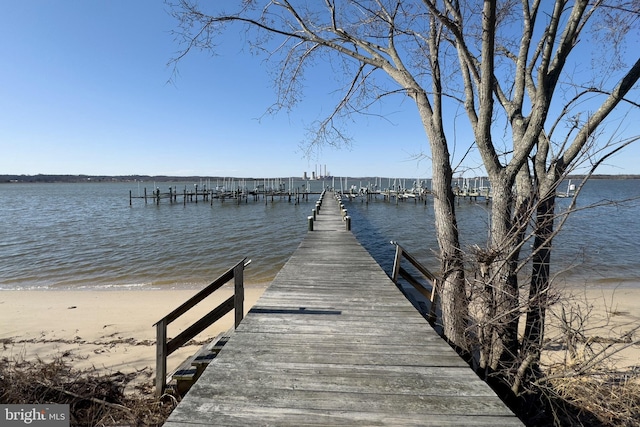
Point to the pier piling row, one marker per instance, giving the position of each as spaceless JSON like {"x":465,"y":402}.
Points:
{"x":277,"y":189}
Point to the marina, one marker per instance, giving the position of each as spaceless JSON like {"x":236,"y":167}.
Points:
{"x":235,"y":190}
{"x":292,"y":190}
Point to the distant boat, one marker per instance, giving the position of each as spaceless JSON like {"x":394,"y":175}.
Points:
{"x":571,"y":191}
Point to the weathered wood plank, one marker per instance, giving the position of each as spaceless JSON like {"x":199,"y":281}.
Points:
{"x":297,"y":355}
{"x":405,"y":339}
{"x":334,"y":342}
{"x":384,"y":403}
{"x":346,"y":378}
{"x":223,"y":415}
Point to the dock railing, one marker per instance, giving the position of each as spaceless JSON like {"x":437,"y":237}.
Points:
{"x":400,"y":272}
{"x":235,"y":302}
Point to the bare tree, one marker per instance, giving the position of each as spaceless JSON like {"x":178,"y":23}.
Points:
{"x":510,"y":65}
{"x":523,"y":78}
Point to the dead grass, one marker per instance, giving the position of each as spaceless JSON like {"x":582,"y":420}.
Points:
{"x":94,"y":398}
{"x":597,"y":397}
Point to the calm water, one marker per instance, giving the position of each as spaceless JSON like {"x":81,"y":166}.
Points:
{"x":87,"y":236}
{"x":599,"y":246}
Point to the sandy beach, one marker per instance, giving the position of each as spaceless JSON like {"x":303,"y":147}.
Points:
{"x":610,"y":325}
{"x":110,"y":330}
{"x":113,"y":330}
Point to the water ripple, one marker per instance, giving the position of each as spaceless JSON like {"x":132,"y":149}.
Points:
{"x":87,"y":236}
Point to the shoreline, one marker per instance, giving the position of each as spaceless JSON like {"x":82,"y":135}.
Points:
{"x":109,"y":330}
{"x":562,"y":284}
{"x":126,"y":288}
{"x":112,"y":330}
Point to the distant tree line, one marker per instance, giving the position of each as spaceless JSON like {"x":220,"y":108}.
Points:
{"x":98,"y":178}
{"x":42,"y":178}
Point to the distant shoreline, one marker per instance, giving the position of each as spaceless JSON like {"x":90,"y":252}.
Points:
{"x":42,"y":178}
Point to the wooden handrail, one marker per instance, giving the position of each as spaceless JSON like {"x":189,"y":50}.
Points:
{"x":398,"y":272}
{"x":236,"y":302}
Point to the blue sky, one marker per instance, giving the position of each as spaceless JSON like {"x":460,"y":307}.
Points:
{"x":84,"y":90}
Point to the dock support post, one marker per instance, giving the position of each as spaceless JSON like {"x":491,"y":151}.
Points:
{"x":347,"y":220}
{"x":310,"y":223}
{"x":314,"y":212}
{"x":129,"y":197}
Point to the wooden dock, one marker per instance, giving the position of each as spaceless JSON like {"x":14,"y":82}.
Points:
{"x":334,"y":342}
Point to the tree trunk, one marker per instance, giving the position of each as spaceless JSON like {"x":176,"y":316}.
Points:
{"x":451,"y":286}
{"x":498,"y":323}
{"x":541,"y":257}
{"x":453,"y":300}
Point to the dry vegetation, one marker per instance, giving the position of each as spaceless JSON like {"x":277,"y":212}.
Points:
{"x":587,"y":380}
{"x":597,"y":397}
{"x":94,"y":398}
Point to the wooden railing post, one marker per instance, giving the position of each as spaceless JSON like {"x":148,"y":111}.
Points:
{"x":398,"y":272}
{"x":164,"y":348}
{"x":161,"y":356}
{"x":396,"y":262}
{"x":238,"y":302}
{"x":434,"y":302}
